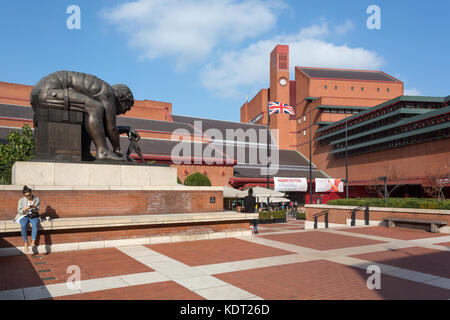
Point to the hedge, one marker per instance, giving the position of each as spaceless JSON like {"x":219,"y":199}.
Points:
{"x":197,"y":179}
{"x":415,"y":203}
{"x":301,"y":215}
{"x":272,"y":215}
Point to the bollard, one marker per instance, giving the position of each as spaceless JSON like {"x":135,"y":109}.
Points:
{"x":315,"y":222}
{"x":366,"y":215}
{"x":326,"y":220}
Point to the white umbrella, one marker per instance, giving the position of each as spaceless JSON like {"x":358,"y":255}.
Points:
{"x":276,"y":199}
{"x":233,"y":193}
{"x":264,"y":192}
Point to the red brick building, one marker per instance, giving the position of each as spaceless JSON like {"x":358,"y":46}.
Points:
{"x":388,"y":134}
{"x":404,"y":138}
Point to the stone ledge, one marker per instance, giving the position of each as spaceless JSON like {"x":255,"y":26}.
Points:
{"x":8,"y":226}
{"x":113,"y":188}
{"x":383,"y":209}
{"x":42,"y":249}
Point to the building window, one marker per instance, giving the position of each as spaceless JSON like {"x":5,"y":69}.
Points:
{"x":304,"y":118}
{"x":325,"y":87}
{"x":299,"y":120}
{"x":387,"y":90}
{"x":335,"y":87}
{"x":304,"y":132}
{"x":362,"y":88}
{"x":352,"y":88}
{"x":378,"y":89}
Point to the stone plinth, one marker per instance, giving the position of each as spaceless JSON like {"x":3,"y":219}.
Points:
{"x":91,"y":174}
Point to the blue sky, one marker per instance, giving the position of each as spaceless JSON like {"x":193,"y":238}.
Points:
{"x":206,"y":56}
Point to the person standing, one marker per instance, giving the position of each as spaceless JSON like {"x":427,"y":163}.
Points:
{"x":249,"y":207}
{"x":27,"y":213}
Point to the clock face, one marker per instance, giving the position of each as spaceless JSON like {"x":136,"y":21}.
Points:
{"x":283,"y":81}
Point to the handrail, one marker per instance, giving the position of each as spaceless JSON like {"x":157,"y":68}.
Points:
{"x":321,"y":213}
{"x":358,"y":208}
{"x":353,"y":215}
{"x":324,"y":212}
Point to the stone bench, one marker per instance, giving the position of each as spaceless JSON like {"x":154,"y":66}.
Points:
{"x":434,"y":225}
{"x":8,"y":226}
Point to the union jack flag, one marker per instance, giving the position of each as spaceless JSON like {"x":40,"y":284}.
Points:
{"x":277,"y":107}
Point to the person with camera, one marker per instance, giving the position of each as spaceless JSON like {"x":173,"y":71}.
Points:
{"x":27,"y":212}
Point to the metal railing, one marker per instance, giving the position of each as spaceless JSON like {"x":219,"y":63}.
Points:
{"x":325,"y":212}
{"x":353,"y":215}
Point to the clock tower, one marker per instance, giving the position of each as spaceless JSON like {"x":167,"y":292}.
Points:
{"x":279,"y":74}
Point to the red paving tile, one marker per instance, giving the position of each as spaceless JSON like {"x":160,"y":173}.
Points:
{"x":196,"y":253}
{"x":167,"y":290}
{"x":22,"y":271}
{"x":414,"y":258}
{"x":274,"y":225}
{"x":320,"y":240}
{"x":326,"y":280}
{"x":395,"y":233}
{"x":18,"y":272}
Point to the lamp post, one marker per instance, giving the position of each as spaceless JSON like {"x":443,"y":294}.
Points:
{"x":346,"y":160}
{"x":384,"y":179}
{"x":308,"y":101}
{"x":268,"y":151}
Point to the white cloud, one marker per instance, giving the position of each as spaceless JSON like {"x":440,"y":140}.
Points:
{"x":413,"y":92}
{"x":190,"y":29}
{"x":249,"y":68}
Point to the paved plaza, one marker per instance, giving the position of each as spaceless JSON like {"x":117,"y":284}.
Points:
{"x":282,"y":262}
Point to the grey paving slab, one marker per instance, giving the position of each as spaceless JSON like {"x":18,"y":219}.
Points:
{"x":102,"y":284}
{"x":35,"y":293}
{"x":440,"y":282}
{"x":202,"y":282}
{"x":15,"y":294}
{"x":411,"y":275}
{"x":143,"y":278}
{"x":227,"y":292}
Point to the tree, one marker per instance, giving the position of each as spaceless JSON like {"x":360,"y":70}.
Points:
{"x":437,"y":180}
{"x":391,"y":174}
{"x":18,"y":147}
{"x":197,"y":179}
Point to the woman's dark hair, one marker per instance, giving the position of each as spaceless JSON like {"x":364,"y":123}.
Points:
{"x":26,"y":190}
{"x":250,"y":191}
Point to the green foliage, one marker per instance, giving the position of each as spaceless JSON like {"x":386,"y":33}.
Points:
{"x":272,"y":215}
{"x":279,"y":214}
{"x":265,"y":215}
{"x":18,"y":147}
{"x":179,"y":180}
{"x":197,"y":179}
{"x":417,"y":203}
{"x":301,"y":215}
{"x":152,"y":162}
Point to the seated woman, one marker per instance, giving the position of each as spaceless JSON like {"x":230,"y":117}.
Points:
{"x":28,"y":208}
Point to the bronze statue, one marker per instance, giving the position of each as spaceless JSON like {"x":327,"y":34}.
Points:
{"x":134,"y":137}
{"x":72,"y":98}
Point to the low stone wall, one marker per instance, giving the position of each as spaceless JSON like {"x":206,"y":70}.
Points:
{"x":97,"y":232}
{"x":71,"y":202}
{"x":340,"y":215}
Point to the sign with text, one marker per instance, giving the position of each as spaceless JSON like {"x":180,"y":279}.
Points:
{"x":290,"y":184}
{"x":329,"y":185}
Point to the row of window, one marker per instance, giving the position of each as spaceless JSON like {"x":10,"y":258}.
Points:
{"x":353,"y":88}
{"x":347,"y":111}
